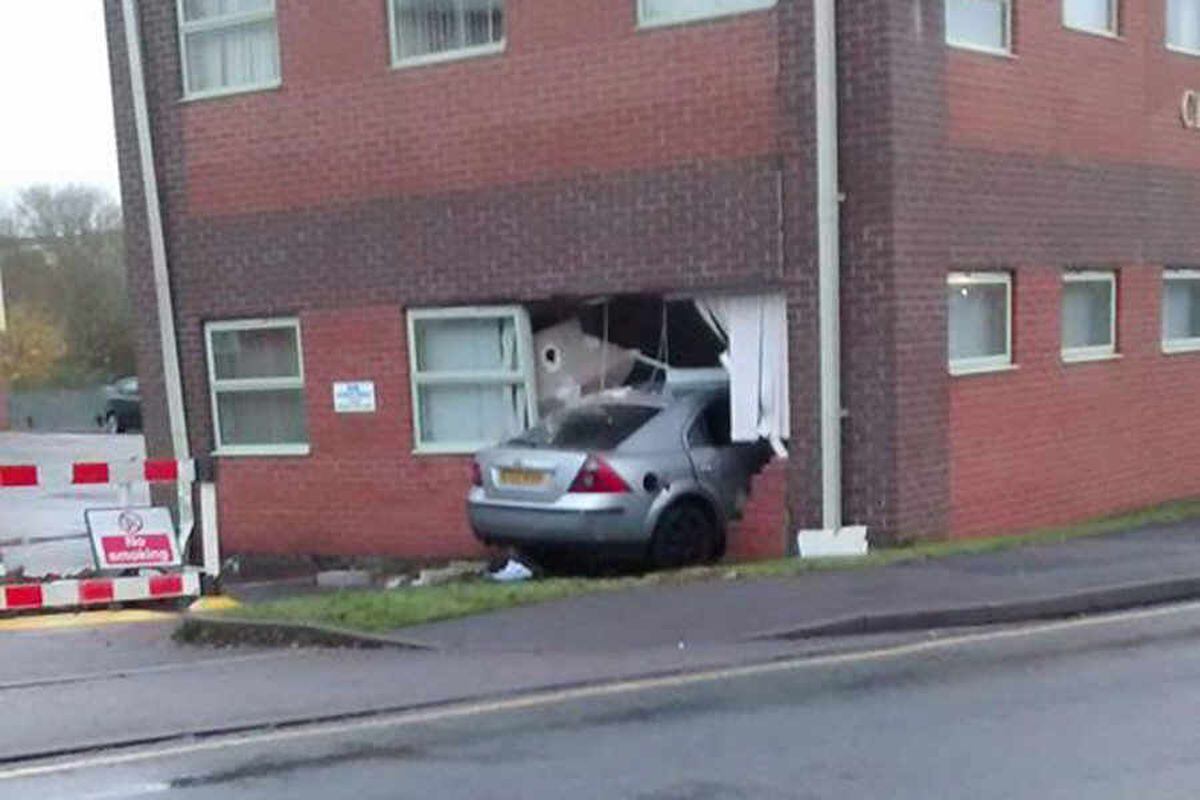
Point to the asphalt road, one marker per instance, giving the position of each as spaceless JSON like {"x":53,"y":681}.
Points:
{"x":1101,"y":708}
{"x":48,"y":523}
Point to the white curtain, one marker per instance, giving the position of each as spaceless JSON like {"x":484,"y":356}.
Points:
{"x":983,"y":23}
{"x":1087,"y":314}
{"x":978,"y":320}
{"x":436,"y":26}
{"x":682,"y":9}
{"x":243,"y":55}
{"x":1183,"y":23}
{"x":754,"y":328}
{"x":262,"y":417}
{"x":1181,"y":310}
{"x":488,"y":410}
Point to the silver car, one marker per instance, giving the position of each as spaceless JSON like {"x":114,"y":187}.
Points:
{"x":622,"y":470}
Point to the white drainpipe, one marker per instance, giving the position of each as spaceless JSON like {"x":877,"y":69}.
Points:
{"x":829,"y":260}
{"x":158,"y":255}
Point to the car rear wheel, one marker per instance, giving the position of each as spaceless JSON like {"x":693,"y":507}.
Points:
{"x":686,"y":534}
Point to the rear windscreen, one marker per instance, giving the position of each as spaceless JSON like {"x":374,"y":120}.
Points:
{"x":591,"y":427}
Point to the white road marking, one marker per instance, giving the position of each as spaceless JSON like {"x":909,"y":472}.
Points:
{"x":554,"y":697}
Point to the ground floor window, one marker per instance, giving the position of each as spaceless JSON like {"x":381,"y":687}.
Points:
{"x":662,"y":12}
{"x":980,"y":24}
{"x":1089,"y":315}
{"x":979,"y":307}
{"x":1181,"y":310}
{"x":472,"y":376}
{"x":256,"y":376}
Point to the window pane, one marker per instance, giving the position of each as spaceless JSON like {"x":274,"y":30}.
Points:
{"x":257,"y":353}
{"x":663,"y":10}
{"x":1181,"y":310}
{"x":458,"y":345}
{"x":258,"y":418}
{"x":194,"y":10}
{"x":1091,"y":15}
{"x":1183,"y":23}
{"x":471,"y":414}
{"x":982,"y":23}
{"x":978,"y":320}
{"x":1087,"y":314}
{"x":244,"y":55}
{"x":437,"y":26}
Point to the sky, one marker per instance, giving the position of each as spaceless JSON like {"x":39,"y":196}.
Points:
{"x":56,"y":125}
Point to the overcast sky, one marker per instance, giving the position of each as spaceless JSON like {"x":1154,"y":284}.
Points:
{"x":56,"y":125}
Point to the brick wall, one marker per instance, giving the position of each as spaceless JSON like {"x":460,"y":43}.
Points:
{"x":361,"y":491}
{"x":1072,"y":155}
{"x":588,"y":158}
{"x":1051,"y":442}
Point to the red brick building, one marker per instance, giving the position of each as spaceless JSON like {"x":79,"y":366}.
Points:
{"x":1021,"y":187}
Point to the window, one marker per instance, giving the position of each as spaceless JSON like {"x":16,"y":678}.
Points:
{"x":1089,"y":316}
{"x":1181,"y":311}
{"x":256,"y":374}
{"x":425,"y":31}
{"x":1183,"y":25}
{"x":1092,"y":16}
{"x":712,"y":427}
{"x":668,"y":12}
{"x":472,"y":377}
{"x":592,"y":426}
{"x":228,"y":46}
{"x":979,"y":24}
{"x":979,"y":307}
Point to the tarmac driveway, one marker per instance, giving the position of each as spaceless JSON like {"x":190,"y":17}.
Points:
{"x":42,"y":530}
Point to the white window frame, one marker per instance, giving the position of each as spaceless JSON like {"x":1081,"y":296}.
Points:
{"x":1075,"y":355}
{"x":524,"y":375}
{"x":1113,"y":30}
{"x":982,"y":364}
{"x":680,"y":19}
{"x":1190,"y":344}
{"x":216,"y":386}
{"x":1007,"y":50}
{"x":457,"y":54}
{"x":216,"y":24}
{"x":1175,"y":48}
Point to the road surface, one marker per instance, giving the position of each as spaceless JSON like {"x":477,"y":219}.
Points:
{"x":49,"y":523}
{"x":1098,"y":708}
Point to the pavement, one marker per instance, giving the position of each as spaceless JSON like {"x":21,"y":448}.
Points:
{"x":1101,"y":573}
{"x":49,"y":523}
{"x":1102,"y":708}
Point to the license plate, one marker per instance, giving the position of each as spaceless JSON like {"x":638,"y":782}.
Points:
{"x":526,"y":478}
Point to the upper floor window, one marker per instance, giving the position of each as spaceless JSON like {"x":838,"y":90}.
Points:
{"x":437,"y":30}
{"x":1092,"y":16}
{"x":979,"y":307}
{"x":667,"y":12}
{"x":980,"y":24}
{"x":1181,"y":310}
{"x":1183,"y":25}
{"x":228,"y":46}
{"x":1089,"y":316}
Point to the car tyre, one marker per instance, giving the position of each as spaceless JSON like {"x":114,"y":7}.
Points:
{"x":112,"y":424}
{"x":686,"y":534}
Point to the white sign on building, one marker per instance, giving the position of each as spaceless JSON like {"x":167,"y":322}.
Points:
{"x":354,"y":397}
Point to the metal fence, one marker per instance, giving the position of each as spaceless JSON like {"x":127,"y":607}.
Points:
{"x":65,"y":410}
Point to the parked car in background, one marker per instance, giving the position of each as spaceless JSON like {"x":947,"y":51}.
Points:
{"x":122,"y":407}
{"x":650,"y":474}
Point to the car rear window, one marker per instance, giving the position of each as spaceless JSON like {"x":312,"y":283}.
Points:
{"x":590,"y":427}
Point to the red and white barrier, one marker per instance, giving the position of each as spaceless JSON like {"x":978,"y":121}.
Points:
{"x":96,"y":473}
{"x":97,"y":591}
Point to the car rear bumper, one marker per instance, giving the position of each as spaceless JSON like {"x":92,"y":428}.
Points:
{"x":509,"y":523}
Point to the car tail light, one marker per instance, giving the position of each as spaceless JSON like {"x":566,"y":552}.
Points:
{"x":597,"y":477}
{"x":476,"y":473}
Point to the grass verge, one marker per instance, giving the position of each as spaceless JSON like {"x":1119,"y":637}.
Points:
{"x":380,"y":610}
